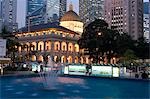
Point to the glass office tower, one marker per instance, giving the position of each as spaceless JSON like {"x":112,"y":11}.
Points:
{"x":43,"y":11}
{"x":89,"y":10}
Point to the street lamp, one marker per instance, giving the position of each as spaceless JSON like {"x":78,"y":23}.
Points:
{"x":99,"y":33}
{"x":130,"y":69}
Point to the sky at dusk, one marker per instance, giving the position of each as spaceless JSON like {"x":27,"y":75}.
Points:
{"x":21,"y":10}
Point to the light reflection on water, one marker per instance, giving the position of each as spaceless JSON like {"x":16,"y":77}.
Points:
{"x":78,"y":88}
{"x":65,"y":80}
{"x":71,"y":80}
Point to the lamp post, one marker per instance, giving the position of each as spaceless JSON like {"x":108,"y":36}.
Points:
{"x":131,"y":69}
{"x":97,"y":49}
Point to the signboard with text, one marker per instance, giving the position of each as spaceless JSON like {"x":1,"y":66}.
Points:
{"x":77,"y":69}
{"x":101,"y":71}
{"x":2,"y":47}
{"x":104,"y":71}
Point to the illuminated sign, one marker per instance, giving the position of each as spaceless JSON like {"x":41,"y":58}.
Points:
{"x":35,"y":67}
{"x":115,"y":72}
{"x":66,"y":70}
{"x":77,"y":69}
{"x":104,"y":71}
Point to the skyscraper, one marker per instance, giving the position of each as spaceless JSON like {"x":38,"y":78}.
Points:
{"x":0,"y":9}
{"x":43,"y":11}
{"x":55,"y":9}
{"x":33,"y":5}
{"x":146,"y":23}
{"x":9,"y":14}
{"x":35,"y":10}
{"x":126,"y":16}
{"x":89,"y":10}
{"x":0,"y":16}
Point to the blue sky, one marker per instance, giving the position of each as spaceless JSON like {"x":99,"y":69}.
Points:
{"x":21,"y":10}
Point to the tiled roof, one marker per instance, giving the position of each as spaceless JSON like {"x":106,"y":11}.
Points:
{"x":44,"y":27}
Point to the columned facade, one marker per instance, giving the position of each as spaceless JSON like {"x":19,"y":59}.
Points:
{"x":61,"y":45}
{"x":60,"y":51}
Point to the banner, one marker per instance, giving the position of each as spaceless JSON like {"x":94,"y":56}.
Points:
{"x":103,"y":71}
{"x":77,"y":69}
{"x":2,"y":47}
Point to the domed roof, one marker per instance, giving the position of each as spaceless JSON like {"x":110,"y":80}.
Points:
{"x":70,"y":15}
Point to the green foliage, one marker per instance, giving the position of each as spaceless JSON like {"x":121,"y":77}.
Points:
{"x":142,"y":48}
{"x":129,"y":56}
{"x":98,"y":40}
{"x":11,"y":44}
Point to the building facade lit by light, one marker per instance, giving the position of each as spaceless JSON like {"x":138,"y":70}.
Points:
{"x":126,"y":16}
{"x":49,"y":40}
{"x":72,"y":21}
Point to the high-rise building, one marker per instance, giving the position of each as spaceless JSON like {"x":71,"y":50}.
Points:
{"x":35,"y":10}
{"x":33,"y":5}
{"x":146,"y":23}
{"x":43,"y":11}
{"x":0,"y":16}
{"x":9,"y":14}
{"x":0,"y":9}
{"x":89,"y":10}
{"x":55,"y":9}
{"x":149,"y":18}
{"x":126,"y":16}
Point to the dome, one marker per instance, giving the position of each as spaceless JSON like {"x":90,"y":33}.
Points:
{"x":70,"y":15}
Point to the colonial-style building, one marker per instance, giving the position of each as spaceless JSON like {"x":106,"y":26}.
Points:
{"x":49,"y":40}
{"x":72,"y":21}
{"x":52,"y":39}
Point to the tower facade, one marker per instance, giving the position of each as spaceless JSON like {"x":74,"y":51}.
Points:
{"x":34,"y":12}
{"x":126,"y":16}
{"x":9,"y":14}
{"x":55,"y":9}
{"x":89,"y":10}
{"x":44,"y":11}
{"x":146,"y":23}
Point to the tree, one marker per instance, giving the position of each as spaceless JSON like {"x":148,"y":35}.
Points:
{"x":129,"y":56}
{"x":123,"y":43}
{"x":98,"y":39}
{"x":12,"y":43}
{"x":142,"y":48}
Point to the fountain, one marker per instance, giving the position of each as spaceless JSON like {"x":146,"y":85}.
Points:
{"x":49,"y":77}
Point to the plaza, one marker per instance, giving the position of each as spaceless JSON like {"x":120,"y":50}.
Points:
{"x":95,"y":49}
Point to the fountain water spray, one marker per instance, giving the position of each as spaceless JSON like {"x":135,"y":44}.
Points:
{"x":49,"y":77}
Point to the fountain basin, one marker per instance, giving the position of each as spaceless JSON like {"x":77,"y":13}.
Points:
{"x":73,"y":87}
